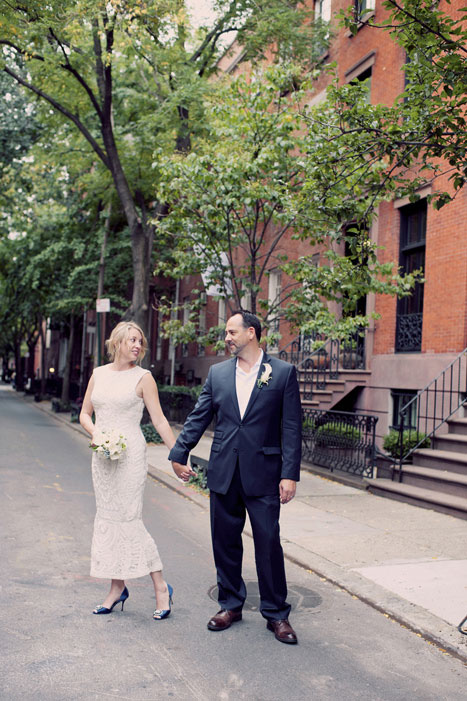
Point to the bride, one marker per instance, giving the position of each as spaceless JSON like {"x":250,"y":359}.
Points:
{"x":121,"y":546}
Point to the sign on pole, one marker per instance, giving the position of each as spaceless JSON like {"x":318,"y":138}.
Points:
{"x":103,"y":304}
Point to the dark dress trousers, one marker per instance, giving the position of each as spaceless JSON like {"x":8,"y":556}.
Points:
{"x":249,"y":456}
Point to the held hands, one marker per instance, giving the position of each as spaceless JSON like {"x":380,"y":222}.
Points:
{"x":183,"y":472}
{"x":287,"y":490}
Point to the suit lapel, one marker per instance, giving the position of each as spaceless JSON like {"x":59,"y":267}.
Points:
{"x":233,"y":386}
{"x":256,"y":388}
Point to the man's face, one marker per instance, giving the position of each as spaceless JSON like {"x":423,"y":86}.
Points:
{"x":237,"y":337}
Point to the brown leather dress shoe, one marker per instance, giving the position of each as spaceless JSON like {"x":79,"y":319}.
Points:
{"x":283,"y":631}
{"x":224,"y":619}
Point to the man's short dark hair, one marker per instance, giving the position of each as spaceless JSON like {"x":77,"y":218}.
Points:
{"x":248,"y":320}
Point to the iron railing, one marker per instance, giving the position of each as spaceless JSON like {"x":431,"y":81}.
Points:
{"x":340,"y":440}
{"x":300,"y":348}
{"x":409,"y":333}
{"x":326,"y":362}
{"x":423,"y":415}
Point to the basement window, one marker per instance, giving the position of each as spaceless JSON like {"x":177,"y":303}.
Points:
{"x":401,"y":397}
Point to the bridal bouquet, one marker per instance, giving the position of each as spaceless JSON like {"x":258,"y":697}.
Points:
{"x":109,"y":443}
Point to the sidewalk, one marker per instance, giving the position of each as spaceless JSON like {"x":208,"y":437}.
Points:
{"x":409,"y":563}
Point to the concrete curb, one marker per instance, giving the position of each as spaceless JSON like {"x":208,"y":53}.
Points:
{"x":415,"y":618}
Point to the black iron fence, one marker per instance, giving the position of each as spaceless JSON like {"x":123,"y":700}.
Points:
{"x":409,"y":333}
{"x":301,"y":348}
{"x":339,"y":440}
{"x":349,"y":354}
{"x":424,"y":415}
{"x":329,"y":360}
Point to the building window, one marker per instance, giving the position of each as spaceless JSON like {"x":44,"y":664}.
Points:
{"x":221,"y":314}
{"x":186,"y":319}
{"x":245,"y":302}
{"x":361,"y":234}
{"x":412,"y":257}
{"x":274,"y":294}
{"x":201,"y":330}
{"x":361,"y":72}
{"x":323,"y":10}
{"x":364,"y":9}
{"x":401,"y":397}
{"x":159,"y":336}
{"x":365,"y":77}
{"x":91,"y":338}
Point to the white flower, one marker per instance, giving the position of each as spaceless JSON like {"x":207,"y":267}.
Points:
{"x":265,"y":375}
{"x":109,"y":443}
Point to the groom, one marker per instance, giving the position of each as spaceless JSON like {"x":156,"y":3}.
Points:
{"x":253,"y":466}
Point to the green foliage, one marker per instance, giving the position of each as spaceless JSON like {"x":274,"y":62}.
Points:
{"x":18,"y":131}
{"x":410,"y":439}
{"x":198,"y":481}
{"x":122,"y":84}
{"x":179,"y":390}
{"x":150,"y":434}
{"x":337,"y":434}
{"x":266,"y":173}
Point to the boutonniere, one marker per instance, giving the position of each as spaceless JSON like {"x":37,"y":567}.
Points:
{"x":265,"y":375}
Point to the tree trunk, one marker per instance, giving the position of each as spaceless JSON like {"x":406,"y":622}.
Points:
{"x":65,"y":398}
{"x":100,"y":281}
{"x":31,"y":348}
{"x":141,"y":238}
{"x":43,"y":359}
{"x":19,"y":375}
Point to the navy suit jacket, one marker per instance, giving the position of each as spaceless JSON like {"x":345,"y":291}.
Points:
{"x":266,"y":441}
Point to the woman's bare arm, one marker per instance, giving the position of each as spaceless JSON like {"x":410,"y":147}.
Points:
{"x":147,"y":389}
{"x":87,"y":410}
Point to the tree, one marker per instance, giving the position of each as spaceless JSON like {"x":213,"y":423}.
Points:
{"x":49,"y":262}
{"x":18,"y":129}
{"x":262,"y":178}
{"x":124,"y":80}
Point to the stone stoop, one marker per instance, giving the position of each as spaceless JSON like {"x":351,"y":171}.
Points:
{"x":335,"y":390}
{"x":437,"y":477}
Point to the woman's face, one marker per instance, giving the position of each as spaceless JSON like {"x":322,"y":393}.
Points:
{"x":131,"y":347}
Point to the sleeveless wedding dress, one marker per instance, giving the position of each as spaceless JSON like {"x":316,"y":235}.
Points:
{"x":121,"y":546}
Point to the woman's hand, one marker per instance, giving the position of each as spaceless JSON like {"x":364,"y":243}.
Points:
{"x":183,"y":472}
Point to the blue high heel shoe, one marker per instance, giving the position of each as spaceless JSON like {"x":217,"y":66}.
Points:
{"x":123,"y":597}
{"x":159,"y":614}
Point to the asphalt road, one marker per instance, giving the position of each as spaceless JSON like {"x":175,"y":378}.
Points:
{"x":52,"y":648}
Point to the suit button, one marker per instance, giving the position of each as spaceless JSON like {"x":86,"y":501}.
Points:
{"x":235,"y":450}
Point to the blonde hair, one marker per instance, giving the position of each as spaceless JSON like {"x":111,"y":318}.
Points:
{"x":119,"y":334}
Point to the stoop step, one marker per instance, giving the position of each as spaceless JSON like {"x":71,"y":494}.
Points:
{"x":418,"y":496}
{"x":437,"y":480}
{"x":447,"y":459}
{"x":458,"y":426}
{"x":453,"y":442}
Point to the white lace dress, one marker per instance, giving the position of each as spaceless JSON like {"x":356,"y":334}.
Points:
{"x":121,"y":546}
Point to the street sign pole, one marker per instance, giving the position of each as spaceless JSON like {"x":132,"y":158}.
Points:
{"x":102,"y":306}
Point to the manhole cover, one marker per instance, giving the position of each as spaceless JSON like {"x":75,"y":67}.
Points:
{"x":300,"y":598}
